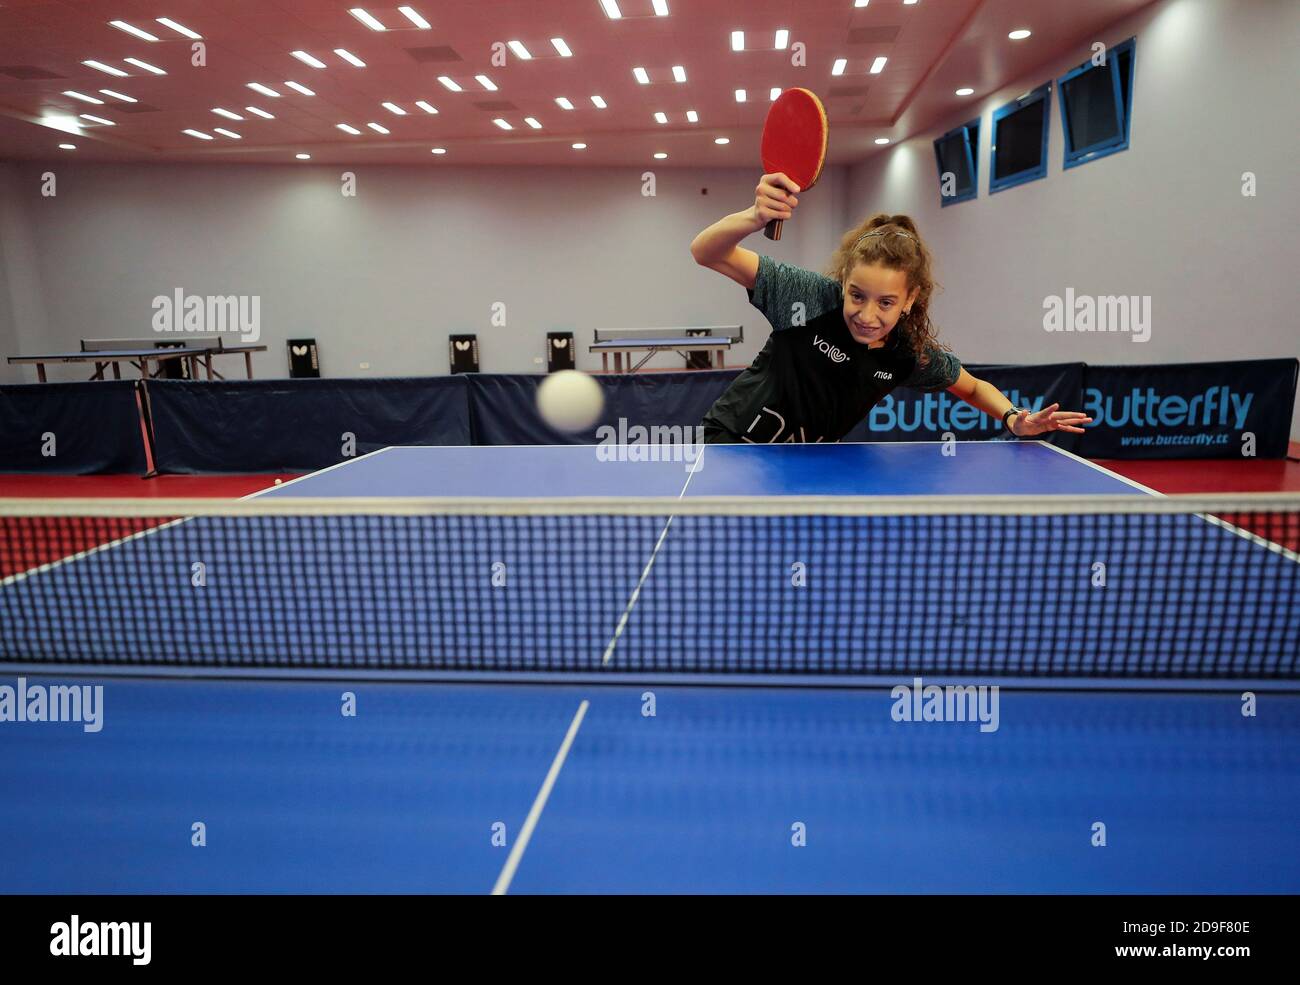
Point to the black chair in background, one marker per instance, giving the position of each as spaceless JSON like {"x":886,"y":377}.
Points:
{"x":304,"y":362}
{"x":173,"y":369}
{"x":464,"y":353}
{"x":559,"y":351}
{"x":698,"y":360}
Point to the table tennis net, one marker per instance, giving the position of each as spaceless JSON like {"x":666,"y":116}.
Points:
{"x":1125,"y":587}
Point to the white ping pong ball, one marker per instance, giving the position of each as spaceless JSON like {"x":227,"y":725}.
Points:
{"x":278,"y":481}
{"x":570,"y":401}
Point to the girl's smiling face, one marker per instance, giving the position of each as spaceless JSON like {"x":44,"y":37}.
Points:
{"x":874,"y":299}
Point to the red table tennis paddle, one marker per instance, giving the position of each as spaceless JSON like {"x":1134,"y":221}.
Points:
{"x":794,"y":142}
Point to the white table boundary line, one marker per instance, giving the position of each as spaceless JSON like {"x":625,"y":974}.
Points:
{"x":645,"y":573}
{"x":327,"y":468}
{"x":502,"y":885}
{"x":539,"y":803}
{"x":1100,"y":468}
{"x":82,"y":555}
{"x":1254,"y":538}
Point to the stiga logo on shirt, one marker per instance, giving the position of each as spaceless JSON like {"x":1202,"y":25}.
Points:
{"x":837,"y":354}
{"x":880,"y":374}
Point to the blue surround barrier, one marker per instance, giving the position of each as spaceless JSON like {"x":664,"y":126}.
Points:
{"x":71,"y":428}
{"x":1190,"y":410}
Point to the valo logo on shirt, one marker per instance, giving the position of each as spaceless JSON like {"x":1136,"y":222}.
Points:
{"x":837,"y":354}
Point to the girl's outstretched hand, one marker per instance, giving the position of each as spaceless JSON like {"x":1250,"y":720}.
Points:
{"x":1026,"y":424}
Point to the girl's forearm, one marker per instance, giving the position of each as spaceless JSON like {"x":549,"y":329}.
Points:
{"x":717,"y":242}
{"x":989,"y":399}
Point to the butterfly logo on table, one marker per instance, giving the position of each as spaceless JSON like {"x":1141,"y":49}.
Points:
{"x":299,"y":350}
{"x":560,"y":343}
{"x":463,"y":346}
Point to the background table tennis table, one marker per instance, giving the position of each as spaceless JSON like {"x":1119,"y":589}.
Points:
{"x":111,"y":353}
{"x":706,"y":795}
{"x":716,"y":339}
{"x":113,"y":358}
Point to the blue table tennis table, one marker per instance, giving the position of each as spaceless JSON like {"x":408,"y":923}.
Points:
{"x":517,"y":783}
{"x":715,"y":339}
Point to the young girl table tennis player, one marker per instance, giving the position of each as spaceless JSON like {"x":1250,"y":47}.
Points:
{"x":840,"y":342}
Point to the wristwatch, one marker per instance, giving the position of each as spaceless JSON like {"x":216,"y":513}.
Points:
{"x":1005,"y":423}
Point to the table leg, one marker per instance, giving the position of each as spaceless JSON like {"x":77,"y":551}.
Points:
{"x":248,"y":364}
{"x":117,"y":371}
{"x":99,"y":371}
{"x":145,"y":415}
{"x":40,"y":373}
{"x":604,"y":362}
{"x":207,"y":361}
{"x":722,"y":355}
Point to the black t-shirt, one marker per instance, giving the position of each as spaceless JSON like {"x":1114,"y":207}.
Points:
{"x":813,"y":381}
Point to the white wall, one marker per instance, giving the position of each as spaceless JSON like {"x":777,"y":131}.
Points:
{"x":1215,"y":95}
{"x":385,"y":276}
{"x":22,"y":304}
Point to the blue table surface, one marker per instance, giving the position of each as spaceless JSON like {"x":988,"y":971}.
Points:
{"x":416,"y":792}
{"x":887,"y":469}
{"x":702,"y":797}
